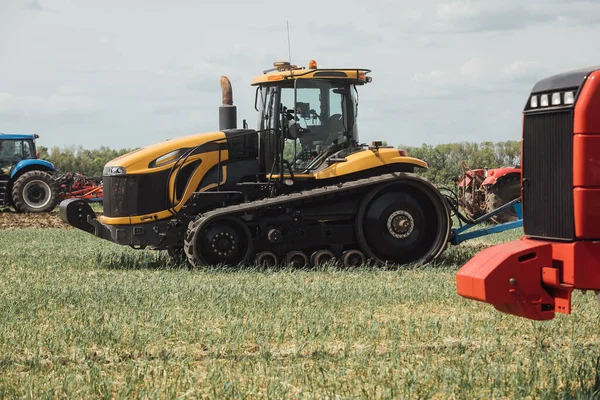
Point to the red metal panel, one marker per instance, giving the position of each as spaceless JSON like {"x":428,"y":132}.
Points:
{"x":468,"y":177}
{"x":579,"y":262}
{"x":494,"y":174}
{"x":586,"y":160}
{"x":587,"y":109}
{"x":508,"y":276}
{"x":531,"y":278}
{"x":586,"y":204}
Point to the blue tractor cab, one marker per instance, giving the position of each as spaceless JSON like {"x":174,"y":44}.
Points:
{"x":26,"y":183}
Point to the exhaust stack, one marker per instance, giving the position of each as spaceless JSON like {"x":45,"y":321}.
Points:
{"x":227,"y":111}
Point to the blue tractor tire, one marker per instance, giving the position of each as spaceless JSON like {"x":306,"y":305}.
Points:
{"x":34,"y":192}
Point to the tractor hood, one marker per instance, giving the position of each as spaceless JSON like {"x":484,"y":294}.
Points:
{"x":161,"y":155}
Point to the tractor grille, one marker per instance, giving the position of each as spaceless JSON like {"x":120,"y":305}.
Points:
{"x":548,"y":175}
{"x":131,"y":195}
{"x":120,"y":194}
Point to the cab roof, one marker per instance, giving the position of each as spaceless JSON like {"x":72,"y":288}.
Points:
{"x":283,"y":71}
{"x":18,"y":136}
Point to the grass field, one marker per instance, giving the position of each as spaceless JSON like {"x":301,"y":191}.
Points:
{"x":83,"y":318}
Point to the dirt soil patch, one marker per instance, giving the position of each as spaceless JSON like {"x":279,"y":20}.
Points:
{"x":13,"y":220}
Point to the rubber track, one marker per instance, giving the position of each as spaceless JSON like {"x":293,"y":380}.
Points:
{"x":203,"y":219}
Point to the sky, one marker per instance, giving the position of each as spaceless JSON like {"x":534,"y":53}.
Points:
{"x":125,"y":73}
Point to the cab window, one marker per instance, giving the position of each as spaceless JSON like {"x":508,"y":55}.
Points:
{"x":13,"y":151}
{"x":320,"y":109}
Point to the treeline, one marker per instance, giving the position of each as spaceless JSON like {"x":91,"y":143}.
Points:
{"x":77,"y":159}
{"x":446,"y":161}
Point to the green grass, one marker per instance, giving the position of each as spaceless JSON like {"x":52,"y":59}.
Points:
{"x":83,"y":318}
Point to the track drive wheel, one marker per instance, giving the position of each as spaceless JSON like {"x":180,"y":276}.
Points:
{"x":505,"y":190}
{"x":403,"y":223}
{"x":35,"y":191}
{"x":223,"y":241}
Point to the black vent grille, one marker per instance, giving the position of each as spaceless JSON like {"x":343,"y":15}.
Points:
{"x":131,"y":195}
{"x":119,"y":195}
{"x":548,"y":175}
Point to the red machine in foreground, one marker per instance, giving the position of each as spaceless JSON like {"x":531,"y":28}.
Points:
{"x":534,"y":277}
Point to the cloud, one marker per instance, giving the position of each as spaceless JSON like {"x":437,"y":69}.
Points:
{"x":467,"y":78}
{"x":126,"y":74}
{"x":472,"y":69}
{"x":525,"y":71}
{"x":34,"y":5}
{"x":67,"y":99}
{"x":478,"y":76}
{"x":491,"y":15}
{"x":204,"y":84}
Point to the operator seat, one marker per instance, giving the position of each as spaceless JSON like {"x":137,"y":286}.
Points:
{"x":335,"y":128}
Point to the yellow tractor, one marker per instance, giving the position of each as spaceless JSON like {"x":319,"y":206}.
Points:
{"x":299,"y":190}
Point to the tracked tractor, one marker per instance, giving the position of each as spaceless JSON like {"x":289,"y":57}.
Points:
{"x":299,"y":189}
{"x":560,"y":252}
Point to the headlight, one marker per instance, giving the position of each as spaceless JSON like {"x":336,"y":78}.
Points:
{"x":555,"y":99}
{"x":114,"y":170}
{"x":569,"y":98}
{"x":533,"y":102}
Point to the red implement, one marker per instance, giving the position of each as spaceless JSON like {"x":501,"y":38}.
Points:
{"x":78,"y":186}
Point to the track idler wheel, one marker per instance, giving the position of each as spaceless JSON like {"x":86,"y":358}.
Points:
{"x":296,"y":259}
{"x":321,"y":257}
{"x":224,"y":241}
{"x":266,"y":259}
{"x":403,"y":223}
{"x":353,"y":258}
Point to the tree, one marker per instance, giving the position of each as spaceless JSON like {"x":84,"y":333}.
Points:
{"x":77,"y":159}
{"x":449,"y":160}
{"x":446,"y":161}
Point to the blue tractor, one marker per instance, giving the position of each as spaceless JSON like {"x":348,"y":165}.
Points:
{"x":26,"y":183}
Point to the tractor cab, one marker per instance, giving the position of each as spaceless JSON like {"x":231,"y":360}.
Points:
{"x":307,"y":115}
{"x":13,"y":150}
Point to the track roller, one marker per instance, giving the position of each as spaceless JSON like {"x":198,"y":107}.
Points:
{"x":266,"y":259}
{"x":353,"y":258}
{"x":296,"y":259}
{"x":321,"y":257}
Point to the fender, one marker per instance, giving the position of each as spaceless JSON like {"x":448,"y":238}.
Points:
{"x":367,"y":159}
{"x":494,"y":174}
{"x":41,"y":164}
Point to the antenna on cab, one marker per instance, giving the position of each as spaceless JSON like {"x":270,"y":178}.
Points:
{"x":289,"y":45}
